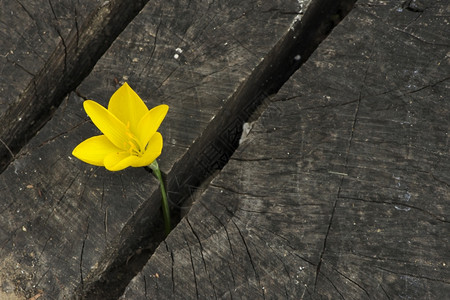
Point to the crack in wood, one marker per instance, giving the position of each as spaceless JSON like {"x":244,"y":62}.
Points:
{"x":352,"y":281}
{"x":26,"y":41}
{"x":193,"y":268}
{"x":155,"y":43}
{"x":429,"y":85}
{"x":413,"y":275}
{"x":58,"y":31}
{"x":42,"y":276}
{"x":285,"y":267}
{"x":248,"y":253}
{"x":172,"y":274}
{"x":334,"y":286}
{"x":212,"y":213}
{"x":32,"y":18}
{"x":324,"y":247}
{"x":232,"y":276}
{"x":439,"y":180}
{"x":15,"y":63}
{"x":69,"y":64}
{"x":7,"y":148}
{"x":82,"y":253}
{"x":45,"y":246}
{"x":77,"y":26}
{"x":349,"y":144}
{"x":62,"y":133}
{"x":72,"y":61}
{"x":384,"y":291}
{"x":59,"y":200}
{"x":419,"y":38}
{"x":201,"y":253}
{"x":435,"y":217}
{"x":375,"y":257}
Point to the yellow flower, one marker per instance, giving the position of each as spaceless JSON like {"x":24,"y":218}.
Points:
{"x":129,"y":132}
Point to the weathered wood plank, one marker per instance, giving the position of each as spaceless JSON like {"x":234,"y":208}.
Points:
{"x":193,"y":56}
{"x":70,"y":61}
{"x":40,"y":63}
{"x":29,"y":33}
{"x":188,"y":166}
{"x":58,"y":215}
{"x":341,"y":188}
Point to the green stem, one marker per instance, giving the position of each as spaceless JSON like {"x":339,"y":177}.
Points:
{"x":165,"y":205}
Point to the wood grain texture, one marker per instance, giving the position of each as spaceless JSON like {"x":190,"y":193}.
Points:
{"x":70,"y":62}
{"x":341,"y":188}
{"x":202,"y":125}
{"x":29,"y":33}
{"x":218,"y":46}
{"x":57,"y":215}
{"x":192,"y":56}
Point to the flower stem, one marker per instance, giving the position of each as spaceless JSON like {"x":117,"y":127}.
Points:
{"x":165,"y":205}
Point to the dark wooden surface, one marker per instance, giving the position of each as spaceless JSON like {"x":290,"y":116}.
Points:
{"x":29,"y":33}
{"x":191,"y":164}
{"x":341,"y":188}
{"x":61,"y":218}
{"x":37,"y":71}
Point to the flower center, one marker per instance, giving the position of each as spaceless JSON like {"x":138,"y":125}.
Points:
{"x":133,"y":145}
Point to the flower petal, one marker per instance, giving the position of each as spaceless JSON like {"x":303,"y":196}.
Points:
{"x":152,"y":152}
{"x":127,"y":106}
{"x":108,"y":124}
{"x":94,"y":150}
{"x":150,"y":123}
{"x":121,"y":160}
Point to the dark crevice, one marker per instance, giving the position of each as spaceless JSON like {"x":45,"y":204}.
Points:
{"x":140,"y":237}
{"x":72,"y":60}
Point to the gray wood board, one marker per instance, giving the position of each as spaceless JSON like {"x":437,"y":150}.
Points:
{"x":341,"y":188}
{"x":190,"y":165}
{"x":59,"y":215}
{"x":29,"y":33}
{"x":35,"y":81}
